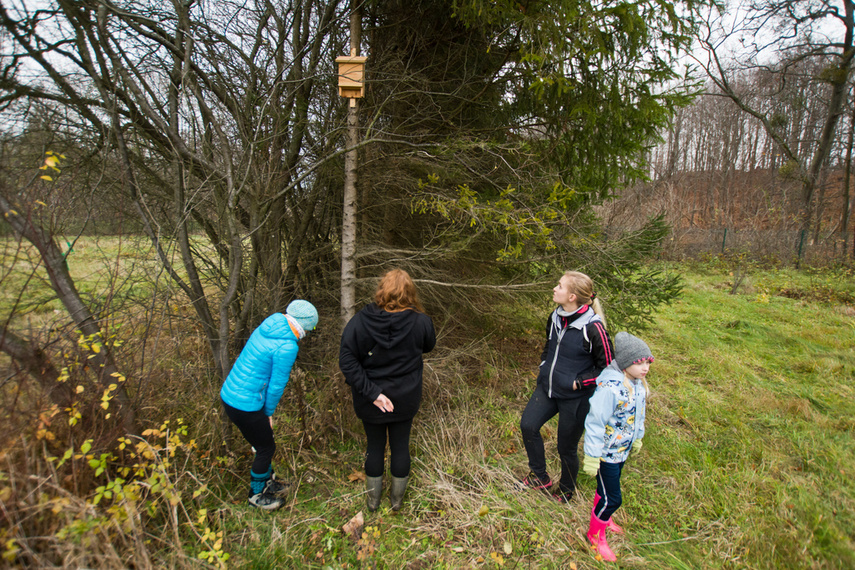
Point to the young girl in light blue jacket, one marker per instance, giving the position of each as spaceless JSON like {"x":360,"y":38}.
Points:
{"x":254,"y":386}
{"x":614,"y":427}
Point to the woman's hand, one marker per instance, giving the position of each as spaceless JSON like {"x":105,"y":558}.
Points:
{"x":271,"y":421}
{"x":384,"y":403}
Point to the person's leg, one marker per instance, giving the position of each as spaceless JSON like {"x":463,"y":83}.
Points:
{"x":399,"y":448}
{"x":375,"y":449}
{"x":607,"y":501}
{"x":571,"y":426}
{"x":538,"y":411}
{"x":608,"y":489}
{"x":255,"y":428}
{"x":375,"y":464}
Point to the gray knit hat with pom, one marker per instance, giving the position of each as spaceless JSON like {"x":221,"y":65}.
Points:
{"x":630,"y":349}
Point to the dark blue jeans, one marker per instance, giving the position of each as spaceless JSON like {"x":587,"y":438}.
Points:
{"x":608,"y":486}
{"x":571,"y":424}
{"x":399,"y":448}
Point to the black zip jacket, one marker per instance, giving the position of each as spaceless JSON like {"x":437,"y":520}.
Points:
{"x":577,"y":349}
{"x":381,"y":353}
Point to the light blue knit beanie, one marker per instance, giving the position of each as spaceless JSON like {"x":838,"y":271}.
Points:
{"x":305,"y":313}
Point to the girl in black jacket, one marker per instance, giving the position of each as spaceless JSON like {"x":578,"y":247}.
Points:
{"x":381,"y":358}
{"x":577,"y":349}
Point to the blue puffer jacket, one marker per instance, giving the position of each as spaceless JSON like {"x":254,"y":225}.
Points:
{"x":261,"y":371}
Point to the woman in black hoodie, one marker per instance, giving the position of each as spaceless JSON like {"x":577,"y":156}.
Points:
{"x":381,"y":358}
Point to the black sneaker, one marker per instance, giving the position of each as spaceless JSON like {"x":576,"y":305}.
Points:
{"x":266,"y":501}
{"x":275,"y":487}
{"x":562,"y":497}
{"x":532,"y":481}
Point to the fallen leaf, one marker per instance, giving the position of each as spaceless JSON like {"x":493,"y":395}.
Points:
{"x":483,"y":510}
{"x":353,"y":528}
{"x":508,"y":548}
{"x":356,"y":476}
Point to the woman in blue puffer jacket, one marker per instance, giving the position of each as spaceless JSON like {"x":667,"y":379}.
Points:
{"x":254,"y":386}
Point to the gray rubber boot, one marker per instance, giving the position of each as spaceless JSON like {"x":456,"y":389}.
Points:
{"x":396,"y":493}
{"x":374,"y":488}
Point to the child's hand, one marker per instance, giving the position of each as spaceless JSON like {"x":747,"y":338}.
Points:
{"x":636,"y":446}
{"x":591,"y":465}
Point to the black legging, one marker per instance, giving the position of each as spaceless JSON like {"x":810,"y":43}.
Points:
{"x":255,"y":427}
{"x":571,"y":424}
{"x":399,"y":448}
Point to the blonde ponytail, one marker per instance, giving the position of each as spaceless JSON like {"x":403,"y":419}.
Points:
{"x":598,"y":308}
{"x":583,"y":287}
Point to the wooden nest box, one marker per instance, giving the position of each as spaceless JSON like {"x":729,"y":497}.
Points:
{"x":351,"y":75}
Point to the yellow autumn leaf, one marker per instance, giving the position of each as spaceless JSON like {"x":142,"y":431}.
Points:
{"x":79,"y":389}
{"x":46,"y":177}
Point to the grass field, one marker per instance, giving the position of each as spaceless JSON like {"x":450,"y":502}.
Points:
{"x":748,"y":459}
{"x":747,"y":463}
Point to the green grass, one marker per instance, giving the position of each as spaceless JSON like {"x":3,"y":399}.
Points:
{"x":747,"y":463}
{"x":748,"y":459}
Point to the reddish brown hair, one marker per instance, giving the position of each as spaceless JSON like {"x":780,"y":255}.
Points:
{"x":397,"y":292}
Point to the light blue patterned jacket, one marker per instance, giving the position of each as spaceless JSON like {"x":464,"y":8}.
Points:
{"x":616,"y":418}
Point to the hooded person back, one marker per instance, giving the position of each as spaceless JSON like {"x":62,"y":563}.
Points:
{"x":381,"y":353}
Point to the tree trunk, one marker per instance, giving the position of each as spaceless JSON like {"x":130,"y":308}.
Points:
{"x":101,"y":360}
{"x":38,"y":365}
{"x":348,"y":232}
{"x":847,"y":196}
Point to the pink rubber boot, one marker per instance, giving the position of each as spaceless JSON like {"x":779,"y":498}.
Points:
{"x":597,"y":536}
{"x":612,"y":526}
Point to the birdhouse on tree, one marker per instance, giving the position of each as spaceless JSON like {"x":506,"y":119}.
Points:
{"x":351,"y":75}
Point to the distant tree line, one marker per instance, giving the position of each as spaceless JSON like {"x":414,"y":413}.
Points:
{"x":769,"y":143}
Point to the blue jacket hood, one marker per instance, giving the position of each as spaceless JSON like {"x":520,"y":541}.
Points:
{"x":276,"y":326}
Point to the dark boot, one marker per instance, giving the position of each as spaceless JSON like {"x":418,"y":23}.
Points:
{"x":374,"y":490}
{"x":396,"y":493}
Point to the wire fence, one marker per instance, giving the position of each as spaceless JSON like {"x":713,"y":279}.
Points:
{"x":783,"y":246}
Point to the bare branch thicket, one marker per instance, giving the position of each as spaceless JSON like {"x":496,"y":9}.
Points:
{"x":208,"y":123}
{"x":812,"y":46}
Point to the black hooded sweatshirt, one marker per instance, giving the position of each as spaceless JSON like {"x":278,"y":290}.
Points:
{"x":381,"y":353}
